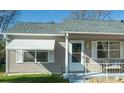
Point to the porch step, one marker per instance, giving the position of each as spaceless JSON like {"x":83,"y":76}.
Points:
{"x":77,"y":74}
{"x":79,"y":81}
{"x":80,"y":74}
{"x":77,"y":78}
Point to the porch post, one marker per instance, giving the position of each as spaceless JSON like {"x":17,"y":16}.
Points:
{"x":66,"y":55}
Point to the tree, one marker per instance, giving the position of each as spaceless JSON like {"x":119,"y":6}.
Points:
{"x":90,"y":14}
{"x":7,"y":18}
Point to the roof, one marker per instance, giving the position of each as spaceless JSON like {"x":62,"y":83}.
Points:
{"x":107,"y":26}
{"x":35,"y":28}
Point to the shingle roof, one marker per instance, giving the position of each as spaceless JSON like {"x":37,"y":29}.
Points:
{"x":35,"y":28}
{"x":94,"y":26}
{"x":69,"y":25}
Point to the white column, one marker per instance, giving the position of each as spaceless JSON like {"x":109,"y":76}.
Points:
{"x":66,"y":54}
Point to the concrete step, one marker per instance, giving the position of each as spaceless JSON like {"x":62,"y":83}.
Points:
{"x":77,"y":78}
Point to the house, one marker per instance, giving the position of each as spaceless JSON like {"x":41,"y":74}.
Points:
{"x":73,"y":46}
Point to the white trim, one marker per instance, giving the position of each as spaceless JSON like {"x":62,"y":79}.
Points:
{"x":122,"y":50}
{"x":109,"y":48}
{"x":76,"y":41}
{"x":62,"y":33}
{"x":31,"y":44}
{"x":66,"y":53}
{"x":95,"y":33}
{"x":109,"y":40}
{"x":19,"y":56}
{"x":94,"y":49}
{"x":74,"y":66}
{"x":31,"y":34}
{"x":36,"y":57}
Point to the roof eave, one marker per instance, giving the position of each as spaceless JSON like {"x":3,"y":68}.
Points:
{"x":35,"y":34}
{"x":94,"y":33}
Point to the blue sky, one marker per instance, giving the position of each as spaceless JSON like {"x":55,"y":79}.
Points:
{"x":55,"y":15}
{"x":43,"y":15}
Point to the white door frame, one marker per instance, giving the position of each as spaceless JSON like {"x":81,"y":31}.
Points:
{"x":76,"y":66}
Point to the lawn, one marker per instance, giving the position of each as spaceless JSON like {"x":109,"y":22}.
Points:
{"x":33,"y":78}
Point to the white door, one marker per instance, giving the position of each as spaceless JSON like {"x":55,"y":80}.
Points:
{"x":76,"y":49}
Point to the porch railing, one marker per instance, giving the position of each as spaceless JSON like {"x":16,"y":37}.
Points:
{"x":92,"y":66}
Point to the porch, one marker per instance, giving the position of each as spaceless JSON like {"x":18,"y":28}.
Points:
{"x":104,"y":66}
{"x":109,"y":63}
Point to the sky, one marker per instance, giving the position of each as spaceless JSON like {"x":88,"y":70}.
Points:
{"x":56,"y":15}
{"x":43,"y":15}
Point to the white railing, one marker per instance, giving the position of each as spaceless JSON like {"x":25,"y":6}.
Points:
{"x":107,"y":67}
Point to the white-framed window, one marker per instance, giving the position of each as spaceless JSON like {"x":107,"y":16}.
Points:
{"x":38,"y":56}
{"x":29,"y":56}
{"x":76,"y":52}
{"x":108,"y":49}
{"x":19,"y":56}
{"x":42,"y":56}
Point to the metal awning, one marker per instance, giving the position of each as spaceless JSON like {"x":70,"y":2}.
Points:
{"x":31,"y":44}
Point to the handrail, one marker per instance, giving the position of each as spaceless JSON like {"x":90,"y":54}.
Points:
{"x":85,"y":57}
{"x":107,"y":67}
{"x":104,"y":63}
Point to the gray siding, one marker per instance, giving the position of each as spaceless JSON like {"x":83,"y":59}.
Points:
{"x":56,"y":67}
{"x":59,"y":65}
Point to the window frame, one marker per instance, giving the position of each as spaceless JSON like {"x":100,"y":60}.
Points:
{"x":24,"y":56}
{"x":108,"y":50}
{"x":35,"y":51}
{"x":76,"y":53}
{"x":41,"y":51}
{"x":70,"y":50}
{"x":102,"y":49}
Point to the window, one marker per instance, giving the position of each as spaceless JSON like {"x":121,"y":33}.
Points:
{"x":42,"y":57}
{"x":29,"y":56}
{"x":114,"y":49}
{"x":35,"y":56}
{"x":102,"y":49}
{"x":76,"y":52}
{"x":108,"y":49}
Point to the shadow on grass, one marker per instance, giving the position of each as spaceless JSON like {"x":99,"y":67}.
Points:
{"x":33,"y":79}
{"x":2,"y":68}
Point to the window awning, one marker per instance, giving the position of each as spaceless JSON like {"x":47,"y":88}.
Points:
{"x":31,"y":44}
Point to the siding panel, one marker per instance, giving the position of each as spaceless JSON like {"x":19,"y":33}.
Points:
{"x":56,"y":67}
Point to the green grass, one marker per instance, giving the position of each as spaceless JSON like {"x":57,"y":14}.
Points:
{"x":33,"y":78}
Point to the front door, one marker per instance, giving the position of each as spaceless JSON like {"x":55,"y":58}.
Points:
{"x":76,"y":49}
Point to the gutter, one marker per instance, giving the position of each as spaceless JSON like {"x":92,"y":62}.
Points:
{"x":30,"y":34}
{"x":92,"y":33}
